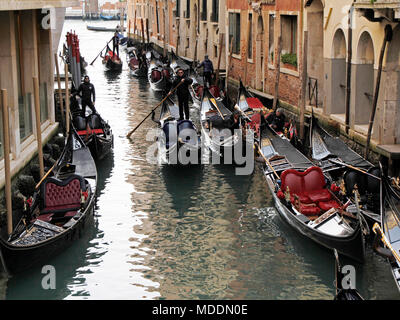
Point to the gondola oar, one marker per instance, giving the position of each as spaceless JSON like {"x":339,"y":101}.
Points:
{"x":265,"y":159}
{"x":352,"y":167}
{"x":171,"y":92}
{"x":100,"y":52}
{"x":45,"y":176}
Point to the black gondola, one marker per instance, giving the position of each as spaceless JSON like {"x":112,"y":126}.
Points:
{"x":220,"y":131}
{"x":59,"y":212}
{"x":178,"y":63}
{"x":304,"y":200}
{"x":158,"y":75}
{"x":251,"y":109}
{"x":111,"y":61}
{"x":343,"y":294}
{"x":335,"y":157}
{"x":389,"y":228}
{"x":177,"y":136}
{"x":137,"y":68}
{"x":95,"y":133}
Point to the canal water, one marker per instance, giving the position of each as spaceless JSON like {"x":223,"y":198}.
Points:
{"x":182,"y":233}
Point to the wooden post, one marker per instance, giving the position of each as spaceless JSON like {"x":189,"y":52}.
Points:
{"x":147,"y":31}
{"x":129,"y":28}
{"x":7,"y":167}
{"x":348,"y":73}
{"x":38,"y":124}
{"x":221,"y":41}
{"x":278,"y":71}
{"x":164,"y":35}
{"x":134,"y":26}
{"x":66,"y":99}
{"x":142,"y":25}
{"x":59,"y":89}
{"x":178,"y":38}
{"x":247,"y":50}
{"x":388,"y":37}
{"x":228,"y":68}
{"x":303,"y":84}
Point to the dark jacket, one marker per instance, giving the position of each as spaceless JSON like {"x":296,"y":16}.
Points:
{"x":273,"y":119}
{"x":85,"y":91}
{"x":208,"y":66}
{"x":183,"y":90}
{"x":115,"y":41}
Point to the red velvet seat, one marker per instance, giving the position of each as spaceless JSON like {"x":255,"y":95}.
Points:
{"x":254,"y":103}
{"x":62,"y":196}
{"x":310,"y":187}
{"x":326,"y":205}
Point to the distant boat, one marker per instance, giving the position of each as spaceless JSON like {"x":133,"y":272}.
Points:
{"x":108,"y":18}
{"x":92,"y":28}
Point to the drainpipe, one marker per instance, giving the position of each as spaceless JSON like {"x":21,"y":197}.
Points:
{"x":349,"y":58}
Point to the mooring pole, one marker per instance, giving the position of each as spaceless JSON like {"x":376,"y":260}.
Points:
{"x":303,"y":84}
{"x":38,"y":124}
{"x":7,"y":166}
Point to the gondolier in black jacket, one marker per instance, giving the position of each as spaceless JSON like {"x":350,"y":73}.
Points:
{"x":182,"y":93}
{"x":277,"y":120}
{"x":115,"y":40}
{"x":207,"y":71}
{"x":85,"y":91}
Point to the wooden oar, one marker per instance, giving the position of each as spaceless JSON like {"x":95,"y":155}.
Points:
{"x":265,"y":159}
{"x":171,"y":92}
{"x":45,"y":176}
{"x":100,"y":52}
{"x":352,"y":167}
{"x":378,"y":231}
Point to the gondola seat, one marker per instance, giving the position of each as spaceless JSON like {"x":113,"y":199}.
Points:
{"x":310,"y":187}
{"x":61,"y":196}
{"x":155,"y":75}
{"x":254,"y":103}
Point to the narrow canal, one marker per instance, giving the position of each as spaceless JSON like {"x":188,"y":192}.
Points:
{"x":195,"y":233}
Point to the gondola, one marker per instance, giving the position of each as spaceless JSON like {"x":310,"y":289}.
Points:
{"x":59,"y":212}
{"x":197,"y":86}
{"x":176,"y":137}
{"x":343,"y":294}
{"x":341,"y":163}
{"x":136,"y":68}
{"x":178,"y":63}
{"x":111,"y":61}
{"x":251,"y":109}
{"x":218,"y":126}
{"x":305,"y":200}
{"x":388,"y":231}
{"x":158,"y":75}
{"x":95,"y":133}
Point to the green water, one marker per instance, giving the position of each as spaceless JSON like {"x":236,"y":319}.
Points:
{"x":182,"y":233}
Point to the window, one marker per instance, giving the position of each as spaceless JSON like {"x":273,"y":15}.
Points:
{"x":24,"y":98}
{"x":289,"y":39}
{"x":178,"y":8}
{"x":234,"y":32}
{"x":271,"y":39}
{"x":215,"y":10}
{"x":250,"y":40}
{"x":215,"y":51}
{"x":187,"y":9}
{"x":203,"y":16}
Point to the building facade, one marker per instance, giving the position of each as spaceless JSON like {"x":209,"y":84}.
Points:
{"x":26,"y":51}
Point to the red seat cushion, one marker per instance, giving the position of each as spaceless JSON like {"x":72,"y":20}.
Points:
{"x":326,"y":205}
{"x":254,"y":103}
{"x":45,"y":217}
{"x":303,"y":197}
{"x":319,"y":195}
{"x":310,"y":211}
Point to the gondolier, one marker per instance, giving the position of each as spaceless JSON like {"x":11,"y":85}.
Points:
{"x":183,"y":93}
{"x":85,"y":91}
{"x":115,"y":41}
{"x":207,"y":71}
{"x":277,"y":120}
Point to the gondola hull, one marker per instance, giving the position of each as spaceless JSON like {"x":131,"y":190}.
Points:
{"x":99,"y":146}
{"x":17,"y":259}
{"x":351,"y":246}
{"x":111,"y":65}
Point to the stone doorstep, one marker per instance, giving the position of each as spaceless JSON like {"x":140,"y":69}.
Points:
{"x":27,"y":154}
{"x":392,"y":151}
